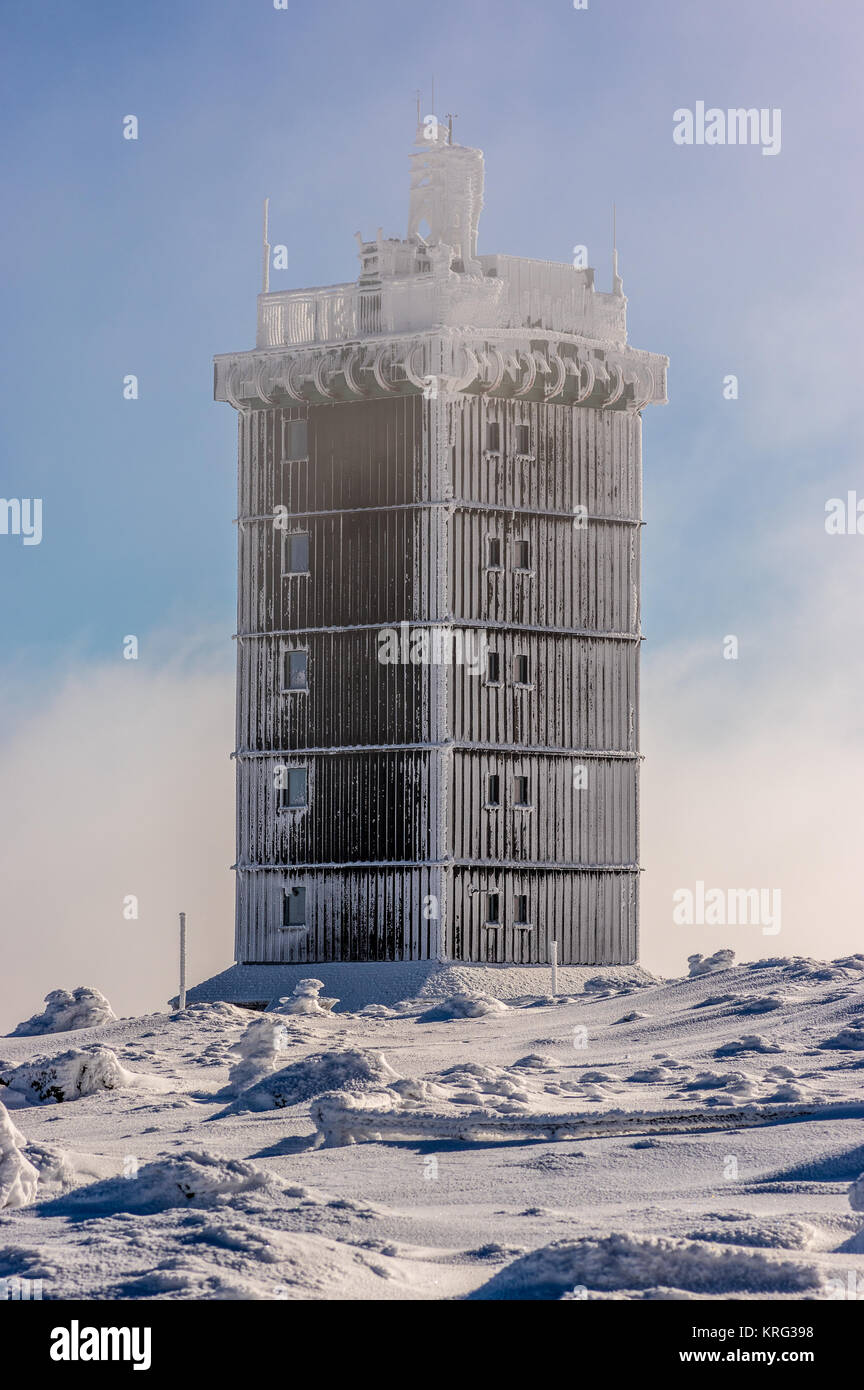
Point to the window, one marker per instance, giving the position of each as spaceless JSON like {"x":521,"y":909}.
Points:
{"x":296,"y":670}
{"x":493,"y":436}
{"x":296,"y":440}
{"x":493,"y":909}
{"x":493,"y":668}
{"x":494,"y":557}
{"x":521,"y":670}
{"x":520,"y":908}
{"x":520,"y":785}
{"x":294,"y":907}
{"x":523,"y":439}
{"x":523,"y":555}
{"x":297,"y":553}
{"x":493,"y":790}
{"x":294,"y":794}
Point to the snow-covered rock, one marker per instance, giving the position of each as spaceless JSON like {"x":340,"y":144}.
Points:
{"x":18,"y":1177}
{"x":177,"y":1180}
{"x":70,"y":1076}
{"x":856,"y":1193}
{"x":352,"y":1069}
{"x":709,"y":965}
{"x":463,"y":1006}
{"x":83,"y":1008}
{"x":306,"y":999}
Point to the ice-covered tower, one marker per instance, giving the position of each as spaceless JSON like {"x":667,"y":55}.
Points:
{"x":438,"y":616}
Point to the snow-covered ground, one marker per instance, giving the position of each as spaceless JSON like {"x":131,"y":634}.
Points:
{"x":688,"y":1139}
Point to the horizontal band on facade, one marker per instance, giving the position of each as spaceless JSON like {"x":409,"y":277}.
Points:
{"x":242,"y":754}
{"x":453,"y":504}
{"x":493,"y":864}
{"x":395,"y":624}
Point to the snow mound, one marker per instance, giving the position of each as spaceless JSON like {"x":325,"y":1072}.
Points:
{"x":606,"y":984}
{"x":191,"y":1178}
{"x":751,"y":1042}
{"x":352,"y":1069}
{"x":18,"y":1177}
{"x":757,"y":1004}
{"x":709,"y":965}
{"x":851,"y":1038}
{"x":77,"y":1073}
{"x":856,"y":1193}
{"x":631,"y":1262}
{"x":83,"y":1008}
{"x":463,"y":1006}
{"x":306,"y":999}
{"x":259,"y":1050}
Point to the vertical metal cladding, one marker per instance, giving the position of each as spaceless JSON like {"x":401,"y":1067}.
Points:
{"x":516,"y":526}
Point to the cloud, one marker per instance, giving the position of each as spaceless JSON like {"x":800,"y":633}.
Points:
{"x":754,"y":767}
{"x":119,"y":783}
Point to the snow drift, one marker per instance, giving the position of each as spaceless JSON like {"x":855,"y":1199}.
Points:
{"x":463,"y":1006}
{"x":83,"y":1008}
{"x":641,"y":1263}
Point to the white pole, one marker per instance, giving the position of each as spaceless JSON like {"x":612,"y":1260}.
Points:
{"x":554,"y":967}
{"x":182,"y":1001}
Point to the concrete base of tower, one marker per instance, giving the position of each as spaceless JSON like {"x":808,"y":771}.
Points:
{"x":355,"y":984}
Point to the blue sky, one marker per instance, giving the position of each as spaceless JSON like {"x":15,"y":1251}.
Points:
{"x":143,"y":257}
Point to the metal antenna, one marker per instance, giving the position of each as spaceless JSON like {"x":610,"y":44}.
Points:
{"x":616,"y":278}
{"x":419,"y":96}
{"x":265,"y":281}
{"x":451,"y":117}
{"x":433,"y":95}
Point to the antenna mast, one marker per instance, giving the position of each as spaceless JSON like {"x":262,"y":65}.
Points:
{"x":265,"y":279}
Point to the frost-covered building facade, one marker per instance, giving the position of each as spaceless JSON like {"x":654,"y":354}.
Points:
{"x":438,"y":602}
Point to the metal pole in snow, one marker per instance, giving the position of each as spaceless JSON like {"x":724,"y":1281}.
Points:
{"x":182,"y":1000}
{"x":554,"y":966}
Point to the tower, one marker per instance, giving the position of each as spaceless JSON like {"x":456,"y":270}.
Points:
{"x":438,"y":602}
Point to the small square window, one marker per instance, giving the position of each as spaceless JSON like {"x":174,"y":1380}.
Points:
{"x":523,"y":439}
{"x":520,"y":909}
{"x":493,"y":436}
{"x":294,"y":794}
{"x":520,"y":785}
{"x":493,"y":909}
{"x":521,"y":670}
{"x":296,"y":441}
{"x":294,"y":907}
{"x":297,"y":553}
{"x":523,"y":555}
{"x":494,"y":553}
{"x":297,"y":671}
{"x":493,"y":790}
{"x":493,"y":668}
